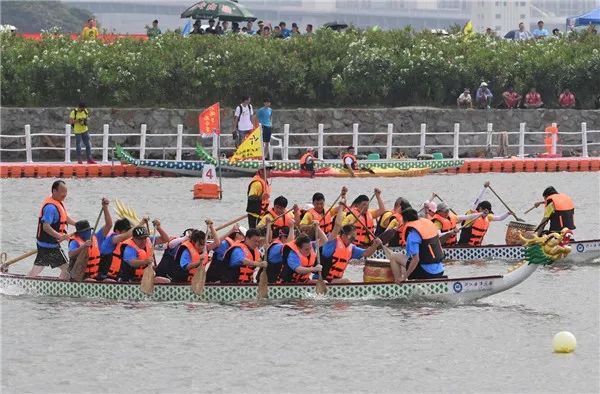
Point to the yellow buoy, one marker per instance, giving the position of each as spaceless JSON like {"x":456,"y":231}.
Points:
{"x":564,"y":342}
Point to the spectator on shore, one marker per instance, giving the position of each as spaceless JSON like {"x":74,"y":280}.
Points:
{"x":198,"y":27}
{"x":211,"y":27}
{"x":483,"y":96}
{"x":265,"y":118}
{"x":309,"y":30}
{"x":243,"y":120}
{"x":90,"y":32}
{"x":556,"y":33}
{"x":219,"y":29}
{"x":261,"y":25}
{"x":225,"y":26}
{"x":235,"y":27}
{"x":78,"y":118}
{"x":522,"y":34}
{"x":295,"y":29}
{"x":249,"y":28}
{"x":465,"y":100}
{"x":285,"y":32}
{"x":567,"y":99}
{"x":265,"y":31}
{"x":277,"y":32}
{"x":533,"y":99}
{"x":154,"y":31}
{"x":540,"y":32}
{"x":489,"y":32}
{"x":512,"y":99}
{"x":244,"y":30}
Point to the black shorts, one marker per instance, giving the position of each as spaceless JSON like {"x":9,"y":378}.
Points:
{"x":266,"y":133}
{"x":420,"y":273}
{"x":308,"y":166}
{"x":53,"y":257}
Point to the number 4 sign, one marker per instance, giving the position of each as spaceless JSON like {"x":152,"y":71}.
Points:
{"x":209,"y":174}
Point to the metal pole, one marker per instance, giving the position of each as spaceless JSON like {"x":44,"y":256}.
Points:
{"x":390,"y":141}
{"x":67,"y":143}
{"x":423,"y":138}
{"x":456,"y":139}
{"x":179,"y":141}
{"x":554,"y":141}
{"x":522,"y":140}
{"x":286,"y":141}
{"x":320,"y":141}
{"x":28,"y":144}
{"x":105,"y":143}
{"x":218,"y":136}
{"x":355,"y":137}
{"x":143,"y":142}
{"x":584,"y":141}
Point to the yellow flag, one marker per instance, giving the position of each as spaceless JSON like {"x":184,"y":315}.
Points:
{"x":468,"y":29}
{"x":250,"y":148}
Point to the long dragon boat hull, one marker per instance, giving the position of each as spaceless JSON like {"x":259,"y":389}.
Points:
{"x":455,"y":290}
{"x":500,"y":252}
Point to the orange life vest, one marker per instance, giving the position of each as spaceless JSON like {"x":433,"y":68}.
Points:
{"x":283,"y":221}
{"x":305,"y":157}
{"x":289,"y":275}
{"x":448,"y":224}
{"x":195,"y":257}
{"x":60,"y":227}
{"x":93,"y":264}
{"x":128,"y":272}
{"x":266,"y":189}
{"x":473,"y":234}
{"x":363,"y":237}
{"x":351,"y":156}
{"x":326,"y":223}
{"x":244,"y":272}
{"x":564,"y":212}
{"x":339,"y":260}
{"x":430,"y":250}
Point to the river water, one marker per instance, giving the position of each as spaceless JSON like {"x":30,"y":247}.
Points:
{"x":499,"y":344}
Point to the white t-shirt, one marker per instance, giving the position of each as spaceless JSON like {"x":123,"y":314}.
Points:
{"x":244,"y":114}
{"x":348,"y":161}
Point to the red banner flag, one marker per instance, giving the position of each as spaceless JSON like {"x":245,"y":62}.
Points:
{"x":209,"y":121}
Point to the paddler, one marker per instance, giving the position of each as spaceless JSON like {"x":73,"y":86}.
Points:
{"x":83,"y":238}
{"x":366,"y":224}
{"x":51,"y":231}
{"x":473,"y":231}
{"x":318,"y":213}
{"x":396,"y":224}
{"x":276,"y":239}
{"x":388,"y":216}
{"x":349,"y":161}
{"x":137,"y":253}
{"x":559,"y":211}
{"x":216,"y":267}
{"x":340,"y":249}
{"x":307,"y":161}
{"x":424,"y":253}
{"x":428,"y":210}
{"x":278,"y":216}
{"x":259,"y":193}
{"x":300,"y":257}
{"x":446,"y":222}
{"x":122,"y":231}
{"x":242,"y":258}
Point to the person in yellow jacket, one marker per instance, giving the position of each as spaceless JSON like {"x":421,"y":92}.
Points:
{"x":78,"y":118}
{"x":90,"y":31}
{"x":259,"y":193}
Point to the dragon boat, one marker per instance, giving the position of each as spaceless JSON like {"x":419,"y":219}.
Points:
{"x":283,"y":168}
{"x":537,"y":251}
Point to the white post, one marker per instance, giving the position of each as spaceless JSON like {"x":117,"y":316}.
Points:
{"x":286,"y":141}
{"x":105,"y":143}
{"x":522,"y":140}
{"x":28,"y":144}
{"x":320,"y":141}
{"x":67,"y":143}
{"x":390,"y":141}
{"x":490,"y":132}
{"x":423,"y":138}
{"x":215,"y":145}
{"x":554,"y":141}
{"x":584,"y":142}
{"x":355,"y":137}
{"x":456,"y":139}
{"x":179,"y":141}
{"x":143,"y":142}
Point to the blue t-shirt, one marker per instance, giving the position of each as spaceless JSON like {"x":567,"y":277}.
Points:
{"x":237,"y":257}
{"x":285,"y":33}
{"x":219,"y":252}
{"x":186,"y":259}
{"x":413,"y":243}
{"x":51,"y":216}
{"x":130,"y":253}
{"x":329,"y":248}
{"x":293,"y":260}
{"x":264,"y":116}
{"x":274,"y":256}
{"x":540,"y":32}
{"x":107,"y":246}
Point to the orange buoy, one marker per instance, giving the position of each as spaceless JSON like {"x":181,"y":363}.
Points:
{"x":208,"y":191}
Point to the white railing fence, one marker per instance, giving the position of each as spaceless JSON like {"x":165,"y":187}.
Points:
{"x":286,"y":142}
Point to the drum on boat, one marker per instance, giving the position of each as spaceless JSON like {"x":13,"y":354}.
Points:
{"x":516,"y":228}
{"x":377,"y":271}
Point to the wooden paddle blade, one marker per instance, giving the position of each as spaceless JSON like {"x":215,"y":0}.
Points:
{"x":77,"y":271}
{"x":198,"y":281}
{"x":321,"y":287}
{"x":147,"y":285}
{"x":263,"y":284}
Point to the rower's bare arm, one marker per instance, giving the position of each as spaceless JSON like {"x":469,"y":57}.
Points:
{"x":373,"y":247}
{"x":53,"y":233}
{"x":259,"y":264}
{"x":75,"y":252}
{"x":380,"y":203}
{"x":214,"y":235}
{"x":414,"y":261}
{"x":164,"y":237}
{"x":292,"y":232}
{"x":337,"y":225}
{"x":308,"y":270}
{"x":108,"y":222}
{"x":71,"y":221}
{"x":140,"y":263}
{"x":320,"y":236}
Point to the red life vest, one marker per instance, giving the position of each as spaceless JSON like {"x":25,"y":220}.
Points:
{"x":351,"y":156}
{"x":289,"y":275}
{"x":195,"y":257}
{"x":128,"y":272}
{"x":326,"y":223}
{"x":60,"y":226}
{"x":339,"y":260}
{"x":473,"y":234}
{"x":564,"y":212}
{"x":244,"y":272}
{"x":93,"y":264}
{"x":448,"y":224}
{"x":430,"y":250}
{"x":305,"y":157}
{"x":363,"y":237}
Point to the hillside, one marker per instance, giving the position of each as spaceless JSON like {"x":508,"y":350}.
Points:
{"x":33,"y":16}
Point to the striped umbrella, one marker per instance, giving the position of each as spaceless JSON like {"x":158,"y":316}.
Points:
{"x":224,"y":10}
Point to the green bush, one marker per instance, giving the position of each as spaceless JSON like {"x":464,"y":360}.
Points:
{"x":355,"y":68}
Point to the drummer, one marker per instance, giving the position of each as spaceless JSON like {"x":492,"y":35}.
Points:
{"x":473,"y":231}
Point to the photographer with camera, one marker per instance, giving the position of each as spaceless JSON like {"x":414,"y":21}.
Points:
{"x":78,"y":118}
